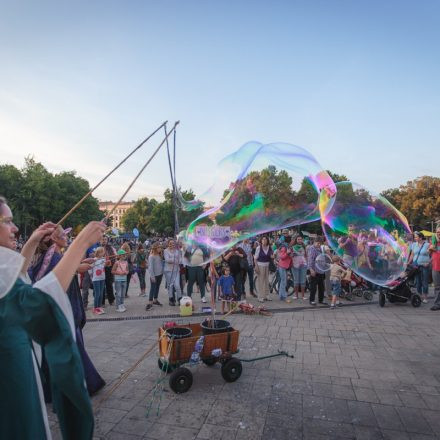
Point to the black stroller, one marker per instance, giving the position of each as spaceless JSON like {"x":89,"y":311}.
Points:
{"x":399,"y":291}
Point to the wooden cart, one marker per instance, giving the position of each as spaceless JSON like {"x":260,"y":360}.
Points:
{"x":173,"y":353}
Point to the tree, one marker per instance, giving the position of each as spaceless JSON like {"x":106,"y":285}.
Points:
{"x":36,"y":195}
{"x":151,"y":216}
{"x":139,"y":215}
{"x":419,"y":200}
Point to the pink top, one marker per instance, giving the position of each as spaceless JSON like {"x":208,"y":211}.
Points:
{"x":284,"y":259}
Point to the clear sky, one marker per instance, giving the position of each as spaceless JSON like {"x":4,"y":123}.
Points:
{"x":355,"y":82}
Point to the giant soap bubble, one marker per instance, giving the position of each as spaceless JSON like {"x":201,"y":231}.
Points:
{"x":258,"y":189}
{"x":367,"y":232}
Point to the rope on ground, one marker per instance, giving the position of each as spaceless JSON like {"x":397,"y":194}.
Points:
{"x":124,"y":376}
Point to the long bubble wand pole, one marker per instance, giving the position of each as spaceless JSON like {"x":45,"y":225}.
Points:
{"x":80,"y":202}
{"x":140,"y":172}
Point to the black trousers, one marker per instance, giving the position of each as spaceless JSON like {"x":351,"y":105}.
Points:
{"x":108,"y":293}
{"x":317,"y":282}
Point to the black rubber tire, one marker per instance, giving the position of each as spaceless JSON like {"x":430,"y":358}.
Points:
{"x":231,"y":370}
{"x":168,"y":368}
{"x":368,"y":295}
{"x":181,"y":380}
{"x":357,"y":292}
{"x":382,"y":299}
{"x":416,"y":300}
{"x":209,"y":361}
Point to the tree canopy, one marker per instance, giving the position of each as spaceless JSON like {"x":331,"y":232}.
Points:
{"x":418,"y":200}
{"x":35,"y":195}
{"x":151,"y":216}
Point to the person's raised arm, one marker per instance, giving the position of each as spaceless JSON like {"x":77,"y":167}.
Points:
{"x":29,"y":248}
{"x":66,"y":268}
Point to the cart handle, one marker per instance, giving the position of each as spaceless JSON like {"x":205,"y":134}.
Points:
{"x":280,"y":353}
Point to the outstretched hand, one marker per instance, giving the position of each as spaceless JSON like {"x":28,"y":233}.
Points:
{"x":92,"y":233}
{"x":43,"y":231}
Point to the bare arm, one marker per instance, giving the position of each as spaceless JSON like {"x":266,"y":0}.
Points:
{"x":66,"y":268}
{"x":28,"y":250}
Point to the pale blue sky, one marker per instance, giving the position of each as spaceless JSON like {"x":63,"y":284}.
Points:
{"x":355,"y":82}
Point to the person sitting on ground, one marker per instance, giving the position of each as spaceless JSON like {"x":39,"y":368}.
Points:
{"x":337,"y":273}
{"x":226,"y":284}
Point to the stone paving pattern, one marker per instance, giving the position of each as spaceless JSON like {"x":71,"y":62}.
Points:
{"x":358,"y":373}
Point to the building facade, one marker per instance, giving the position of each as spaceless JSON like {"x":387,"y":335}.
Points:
{"x":118,"y":214}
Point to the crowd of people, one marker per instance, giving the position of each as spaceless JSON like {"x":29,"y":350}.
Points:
{"x":245,"y":270}
{"x":42,"y":352}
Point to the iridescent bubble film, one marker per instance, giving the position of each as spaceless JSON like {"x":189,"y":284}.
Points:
{"x":323,"y":262}
{"x":367,"y":232}
{"x":258,"y":189}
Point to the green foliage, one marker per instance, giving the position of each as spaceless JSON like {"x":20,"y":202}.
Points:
{"x":35,"y":195}
{"x":151,"y":216}
{"x":418,"y":200}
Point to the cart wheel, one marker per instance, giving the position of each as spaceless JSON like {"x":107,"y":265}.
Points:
{"x":358,"y":292}
{"x":210,"y":361}
{"x":368,"y":295}
{"x":382,"y":299}
{"x":181,"y":380}
{"x":231,"y":370}
{"x":416,"y":301}
{"x":164,"y":366}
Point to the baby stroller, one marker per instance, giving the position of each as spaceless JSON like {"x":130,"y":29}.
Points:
{"x":354,"y":285}
{"x":399,"y":291}
{"x":361,"y":288}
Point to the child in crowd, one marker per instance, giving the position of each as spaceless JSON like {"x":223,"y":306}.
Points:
{"x":98,"y":280}
{"x":120,"y":272}
{"x":226,"y":285}
{"x":337,"y":272}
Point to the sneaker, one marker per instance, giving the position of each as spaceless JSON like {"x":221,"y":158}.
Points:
{"x":313,"y":303}
{"x":119,"y":309}
{"x":101,"y":311}
{"x":306,"y":297}
{"x":95,"y":311}
{"x":204,"y":300}
{"x":295,"y":297}
{"x":425,"y":301}
{"x":261,"y":300}
{"x":171,"y":302}
{"x":332,"y":306}
{"x":149,"y":307}
{"x":157,"y":303}
{"x":253,"y":294}
{"x":123,"y":309}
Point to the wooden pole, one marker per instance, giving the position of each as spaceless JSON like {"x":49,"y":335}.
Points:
{"x":140,"y":172}
{"x":80,"y":202}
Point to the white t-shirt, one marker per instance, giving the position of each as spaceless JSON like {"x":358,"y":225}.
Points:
{"x":98,"y":271}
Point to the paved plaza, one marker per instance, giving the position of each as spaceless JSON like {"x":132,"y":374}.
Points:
{"x":359,"y":372}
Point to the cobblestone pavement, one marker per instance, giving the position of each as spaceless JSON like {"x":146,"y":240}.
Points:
{"x":358,"y":373}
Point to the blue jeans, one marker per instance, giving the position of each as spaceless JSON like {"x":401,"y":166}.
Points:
{"x":120,"y":288}
{"x":98,"y":290}
{"x":422,"y":280}
{"x":299,"y":276}
{"x":336,"y":287}
{"x":283,"y":281}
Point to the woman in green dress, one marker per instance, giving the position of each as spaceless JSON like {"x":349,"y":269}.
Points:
{"x":40,"y":313}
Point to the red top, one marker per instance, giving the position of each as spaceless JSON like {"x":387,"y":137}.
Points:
{"x":436,"y":259}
